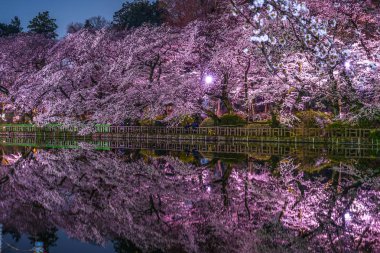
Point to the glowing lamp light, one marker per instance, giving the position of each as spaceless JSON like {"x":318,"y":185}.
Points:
{"x":347,"y":217}
{"x":209,"y":79}
{"x":347,"y":64}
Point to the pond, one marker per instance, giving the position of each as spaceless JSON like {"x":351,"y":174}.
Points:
{"x":155,"y":196}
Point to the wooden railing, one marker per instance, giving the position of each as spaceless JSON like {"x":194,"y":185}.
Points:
{"x":267,"y":149}
{"x":343,"y":133}
{"x":243,"y":132}
{"x":33,"y":128}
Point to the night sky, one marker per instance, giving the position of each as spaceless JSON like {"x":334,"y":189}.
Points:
{"x":65,"y":11}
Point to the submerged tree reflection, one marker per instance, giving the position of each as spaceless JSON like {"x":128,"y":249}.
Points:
{"x":160,"y":204}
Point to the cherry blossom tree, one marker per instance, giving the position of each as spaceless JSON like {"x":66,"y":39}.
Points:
{"x":286,"y":55}
{"x":304,"y":52}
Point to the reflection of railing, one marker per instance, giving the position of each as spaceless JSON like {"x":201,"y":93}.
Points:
{"x":261,"y":149}
{"x":266,"y":149}
{"x":38,"y":141}
{"x":343,"y":135}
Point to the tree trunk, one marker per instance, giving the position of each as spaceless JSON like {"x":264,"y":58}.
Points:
{"x":218,"y":109}
{"x":225,"y":98}
{"x":246,"y":84}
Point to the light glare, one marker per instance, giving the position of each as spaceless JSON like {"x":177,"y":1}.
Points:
{"x":209,"y":79}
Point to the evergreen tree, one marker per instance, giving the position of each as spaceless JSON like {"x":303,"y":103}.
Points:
{"x":43,"y":24}
{"x":9,"y":29}
{"x":87,"y":24}
{"x":137,"y":13}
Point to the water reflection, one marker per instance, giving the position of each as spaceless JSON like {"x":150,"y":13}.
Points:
{"x":192,"y":200}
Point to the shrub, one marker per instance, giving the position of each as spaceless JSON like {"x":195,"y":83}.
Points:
{"x":207,"y":122}
{"x":259,"y":124}
{"x":232,"y":120}
{"x":146,"y":122}
{"x":338,"y":124}
{"x":367,"y":123}
{"x":157,"y":121}
{"x":187,"y":158}
{"x":186,"y":120}
{"x":160,"y":117}
{"x":375,"y":134}
{"x":367,"y":117}
{"x":313,"y":119}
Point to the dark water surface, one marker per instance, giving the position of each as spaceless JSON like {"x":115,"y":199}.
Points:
{"x":136,"y":196}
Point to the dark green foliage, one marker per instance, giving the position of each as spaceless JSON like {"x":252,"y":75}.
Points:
{"x":146,"y":122}
{"x":275,"y":123}
{"x":10,"y":29}
{"x":366,"y":123}
{"x":225,"y":120}
{"x":313,"y":119}
{"x":232,"y":120}
{"x":228,"y":158}
{"x":339,"y":125}
{"x":43,"y":24}
{"x":138,"y":13}
{"x":186,"y":120}
{"x":207,"y":122}
{"x":87,"y":24}
{"x":375,"y":134}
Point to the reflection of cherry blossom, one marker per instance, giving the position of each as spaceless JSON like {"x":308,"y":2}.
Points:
{"x":166,"y":204}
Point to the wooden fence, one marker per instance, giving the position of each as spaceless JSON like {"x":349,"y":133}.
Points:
{"x":238,"y":132}
{"x":242,"y":132}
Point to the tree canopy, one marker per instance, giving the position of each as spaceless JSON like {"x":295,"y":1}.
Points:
{"x":181,"y":13}
{"x":44,"y":24}
{"x":97,"y":23}
{"x":137,"y":13}
{"x":93,"y":23}
{"x":13,"y":27}
{"x":261,"y":59}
